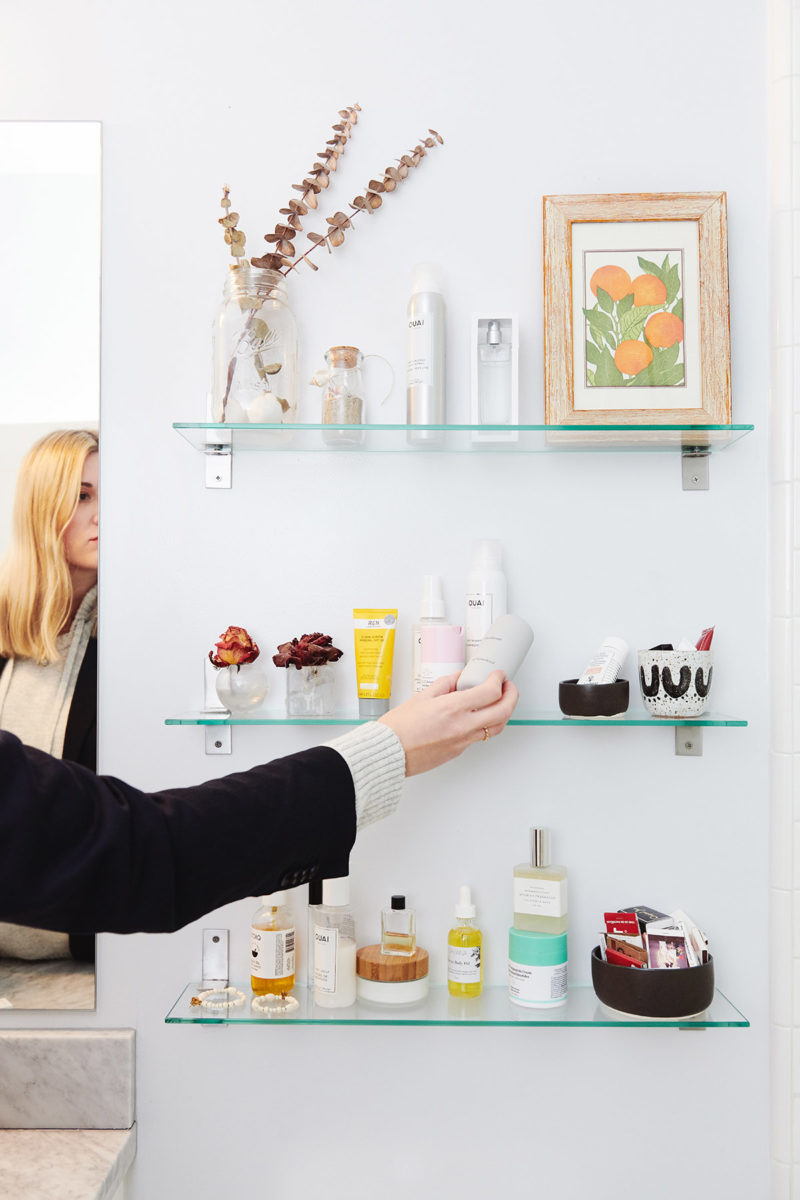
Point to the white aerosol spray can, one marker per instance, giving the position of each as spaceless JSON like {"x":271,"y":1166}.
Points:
{"x":425,"y":394}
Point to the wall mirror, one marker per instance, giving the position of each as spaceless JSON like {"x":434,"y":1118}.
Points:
{"x":50,"y":211}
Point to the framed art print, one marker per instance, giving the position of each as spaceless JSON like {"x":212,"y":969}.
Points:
{"x":636,"y":321}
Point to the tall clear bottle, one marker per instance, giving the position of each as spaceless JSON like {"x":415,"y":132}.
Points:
{"x":540,"y":889}
{"x":335,"y":946}
{"x":314,"y":902}
{"x":272,"y":948}
{"x":494,"y":377}
{"x":431,"y":612}
{"x":425,"y":379}
{"x":487,"y":593}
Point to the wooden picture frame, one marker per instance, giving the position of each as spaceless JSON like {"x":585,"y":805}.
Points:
{"x":606,"y":359}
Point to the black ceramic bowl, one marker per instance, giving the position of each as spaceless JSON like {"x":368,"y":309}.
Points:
{"x":593,"y":699}
{"x":650,"y":992}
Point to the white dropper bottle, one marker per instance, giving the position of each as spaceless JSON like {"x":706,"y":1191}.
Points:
{"x":431,"y":612}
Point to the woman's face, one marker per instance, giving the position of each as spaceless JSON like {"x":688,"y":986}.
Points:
{"x":80,"y":536}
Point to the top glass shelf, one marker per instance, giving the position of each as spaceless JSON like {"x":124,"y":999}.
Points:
{"x":493,"y":1007}
{"x":683,"y":439}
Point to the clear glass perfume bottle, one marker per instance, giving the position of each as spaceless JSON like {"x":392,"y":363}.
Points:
{"x":540,"y":889}
{"x":398,"y":933}
{"x":494,"y":377}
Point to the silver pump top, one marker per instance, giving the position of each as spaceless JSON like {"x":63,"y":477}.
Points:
{"x":494,"y":334}
{"x":540,"y":847}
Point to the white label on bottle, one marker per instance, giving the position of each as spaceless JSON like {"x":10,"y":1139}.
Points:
{"x":537,"y":985}
{"x":540,"y":897}
{"x":326,"y":944}
{"x":430,"y":671}
{"x":480,"y":607}
{"x":271,"y":953}
{"x":464,"y":964}
{"x":420,"y":350}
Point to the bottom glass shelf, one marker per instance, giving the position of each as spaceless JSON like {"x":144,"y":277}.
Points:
{"x":634,"y":718}
{"x":493,"y":1007}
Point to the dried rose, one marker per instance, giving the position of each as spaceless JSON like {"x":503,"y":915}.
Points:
{"x":234,"y":648}
{"x":311,"y":650}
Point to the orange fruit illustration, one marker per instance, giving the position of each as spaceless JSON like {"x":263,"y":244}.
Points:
{"x":649,"y":289}
{"x":632,"y":357}
{"x":663,"y":329}
{"x":614,"y":280}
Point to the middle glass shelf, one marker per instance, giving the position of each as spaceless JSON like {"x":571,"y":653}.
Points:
{"x":636,"y":719}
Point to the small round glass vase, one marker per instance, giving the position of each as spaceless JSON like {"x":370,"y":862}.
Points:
{"x":309,"y":691}
{"x":242,"y":687}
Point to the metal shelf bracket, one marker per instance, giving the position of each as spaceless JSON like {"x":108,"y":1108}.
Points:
{"x":694,"y":469}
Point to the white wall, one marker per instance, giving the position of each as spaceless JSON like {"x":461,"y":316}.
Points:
{"x":530,"y":100}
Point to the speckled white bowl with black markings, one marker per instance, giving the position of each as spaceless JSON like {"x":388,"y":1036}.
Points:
{"x":676,"y":683}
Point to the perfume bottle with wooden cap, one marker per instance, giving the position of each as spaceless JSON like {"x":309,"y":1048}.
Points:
{"x":540,"y":889}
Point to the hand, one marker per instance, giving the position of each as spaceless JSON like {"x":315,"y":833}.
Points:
{"x":439,"y":723}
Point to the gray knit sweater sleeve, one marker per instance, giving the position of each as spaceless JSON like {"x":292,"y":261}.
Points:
{"x":377,"y":762}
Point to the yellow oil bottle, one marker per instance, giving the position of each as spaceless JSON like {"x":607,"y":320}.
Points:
{"x":272,"y":949}
{"x":465,"y":950}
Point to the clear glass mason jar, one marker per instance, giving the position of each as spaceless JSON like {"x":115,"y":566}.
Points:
{"x":255,"y":350}
{"x":309,"y":690}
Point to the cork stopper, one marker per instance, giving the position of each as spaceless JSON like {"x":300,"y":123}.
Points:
{"x":391,"y":968}
{"x":343,"y":356}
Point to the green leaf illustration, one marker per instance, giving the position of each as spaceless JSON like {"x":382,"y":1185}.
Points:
{"x":607,"y":374}
{"x":665,"y":263}
{"x":604,"y":300}
{"x":624,"y":304}
{"x":678,"y":309}
{"x":672,"y":279}
{"x":632,"y":323}
{"x":650,"y":268}
{"x":592,"y":353}
{"x":590,"y":378}
{"x":598,"y":337}
{"x":598,"y":320}
{"x":666,"y":358}
{"x":666,"y":377}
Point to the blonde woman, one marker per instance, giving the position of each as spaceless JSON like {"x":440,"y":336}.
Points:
{"x":48,"y":624}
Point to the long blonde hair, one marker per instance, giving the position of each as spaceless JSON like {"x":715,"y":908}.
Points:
{"x":35,"y":584}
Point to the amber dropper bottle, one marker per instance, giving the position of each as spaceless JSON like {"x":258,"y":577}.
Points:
{"x":272,"y":947}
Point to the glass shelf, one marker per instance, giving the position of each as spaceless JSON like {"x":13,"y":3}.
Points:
{"x":453,"y":438}
{"x":493,"y":1007}
{"x":638,"y":719}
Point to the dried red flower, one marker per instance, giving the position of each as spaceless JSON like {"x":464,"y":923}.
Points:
{"x":234,"y":647}
{"x":310,"y":650}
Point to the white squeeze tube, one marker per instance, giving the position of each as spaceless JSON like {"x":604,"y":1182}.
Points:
{"x":606,"y":664}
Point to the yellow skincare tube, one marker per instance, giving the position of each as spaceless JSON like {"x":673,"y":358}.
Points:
{"x":373,"y":629}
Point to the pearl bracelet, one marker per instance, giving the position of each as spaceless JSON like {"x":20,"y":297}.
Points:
{"x":273,"y":1006}
{"x":237,"y":997}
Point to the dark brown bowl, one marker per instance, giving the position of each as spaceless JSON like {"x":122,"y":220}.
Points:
{"x":650,"y":992}
{"x":593,"y":699}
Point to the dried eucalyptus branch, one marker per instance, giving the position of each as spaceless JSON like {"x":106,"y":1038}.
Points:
{"x":368,"y":202}
{"x":233,"y":236}
{"x":317,"y":179}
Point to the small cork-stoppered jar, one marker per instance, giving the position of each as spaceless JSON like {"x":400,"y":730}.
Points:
{"x":343,"y":397}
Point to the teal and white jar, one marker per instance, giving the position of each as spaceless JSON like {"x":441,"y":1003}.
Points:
{"x":537,"y":968}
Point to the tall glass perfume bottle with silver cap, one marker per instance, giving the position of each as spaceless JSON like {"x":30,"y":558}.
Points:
{"x":540,"y":889}
{"x":494,"y":377}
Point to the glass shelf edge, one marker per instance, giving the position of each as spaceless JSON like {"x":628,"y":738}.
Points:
{"x":206,"y":426}
{"x":583,"y":1010}
{"x":635,"y":721}
{"x":701,"y":438}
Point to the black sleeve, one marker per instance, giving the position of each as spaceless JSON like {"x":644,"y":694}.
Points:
{"x":89,"y":852}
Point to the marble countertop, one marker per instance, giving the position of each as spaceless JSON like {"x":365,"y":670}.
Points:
{"x":46,"y":983}
{"x":73,"y":1164}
